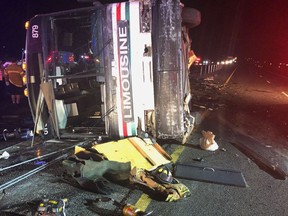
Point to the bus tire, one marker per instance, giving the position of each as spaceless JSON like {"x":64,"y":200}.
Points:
{"x":191,"y":17}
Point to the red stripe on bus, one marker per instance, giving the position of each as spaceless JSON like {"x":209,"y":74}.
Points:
{"x":124,"y":125}
{"x":125,"y":131}
{"x":118,"y":11}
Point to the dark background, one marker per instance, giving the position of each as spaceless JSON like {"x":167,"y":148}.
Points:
{"x":243,"y":28}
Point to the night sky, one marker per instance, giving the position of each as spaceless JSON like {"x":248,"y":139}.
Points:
{"x":244,"y":28}
{"x":247,"y":28}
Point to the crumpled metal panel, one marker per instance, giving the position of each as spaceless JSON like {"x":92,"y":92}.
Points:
{"x":111,"y":120}
{"x":166,"y":34}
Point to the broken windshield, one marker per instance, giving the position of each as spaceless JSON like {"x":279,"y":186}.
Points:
{"x":73,"y":45}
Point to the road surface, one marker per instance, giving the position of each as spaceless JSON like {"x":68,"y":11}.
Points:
{"x":244,"y":111}
{"x":252,"y":102}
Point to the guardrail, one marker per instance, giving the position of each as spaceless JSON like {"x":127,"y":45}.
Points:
{"x":203,"y":69}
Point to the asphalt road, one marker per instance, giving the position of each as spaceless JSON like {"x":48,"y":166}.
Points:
{"x":233,"y":112}
{"x":256,"y":110}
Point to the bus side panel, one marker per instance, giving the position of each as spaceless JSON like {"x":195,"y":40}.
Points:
{"x":129,"y":73}
{"x":122,"y":53}
{"x":166,"y":37}
{"x":141,"y":64}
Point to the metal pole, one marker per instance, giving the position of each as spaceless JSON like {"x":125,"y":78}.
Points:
{"x":26,"y":175}
{"x":43,"y":156}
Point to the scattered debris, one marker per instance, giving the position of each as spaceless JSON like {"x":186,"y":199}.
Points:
{"x":207,"y":142}
{"x":44,"y":156}
{"x":200,"y":159}
{"x":132,"y":159}
{"x":206,"y":94}
{"x":223,"y":149}
{"x":124,"y":209}
{"x":39,"y":162}
{"x":10,"y":135}
{"x":89,"y":174}
{"x":5,"y":155}
{"x":161,"y":180}
{"x":52,"y":207}
{"x":200,"y":106}
{"x":129,"y":209}
{"x":17,"y":134}
{"x":210,"y":78}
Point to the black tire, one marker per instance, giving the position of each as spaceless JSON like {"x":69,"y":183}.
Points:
{"x":191,"y":17}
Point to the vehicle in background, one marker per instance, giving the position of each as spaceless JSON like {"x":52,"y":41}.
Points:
{"x":117,"y":69}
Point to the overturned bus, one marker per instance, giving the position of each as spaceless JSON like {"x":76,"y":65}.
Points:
{"x":115,"y":69}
